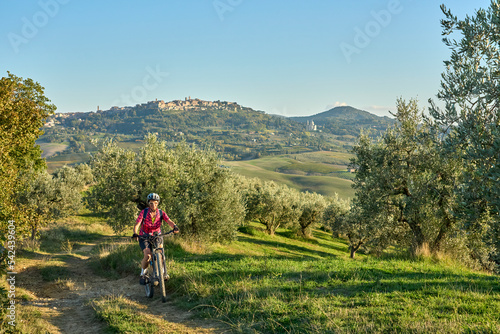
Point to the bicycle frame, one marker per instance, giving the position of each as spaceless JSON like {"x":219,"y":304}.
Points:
{"x":157,"y":264}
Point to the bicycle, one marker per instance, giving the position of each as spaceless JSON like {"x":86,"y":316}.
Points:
{"x":157,"y":269}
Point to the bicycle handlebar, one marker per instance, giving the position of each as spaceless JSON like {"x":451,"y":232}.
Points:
{"x":147,"y":236}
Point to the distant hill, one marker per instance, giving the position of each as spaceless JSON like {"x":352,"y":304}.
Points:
{"x":238,"y":132}
{"x":346,"y":120}
{"x":186,"y":116}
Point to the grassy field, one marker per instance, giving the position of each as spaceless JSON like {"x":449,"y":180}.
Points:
{"x":257,"y":284}
{"x":289,"y":286}
{"x":49,"y":149}
{"x":315,"y":172}
{"x":54,"y":162}
{"x":66,"y":159}
{"x":325,"y":157}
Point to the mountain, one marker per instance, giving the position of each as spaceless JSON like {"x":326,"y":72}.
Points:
{"x":346,"y":120}
{"x":343,"y":112}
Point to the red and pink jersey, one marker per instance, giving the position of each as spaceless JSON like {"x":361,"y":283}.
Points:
{"x":148,"y":226}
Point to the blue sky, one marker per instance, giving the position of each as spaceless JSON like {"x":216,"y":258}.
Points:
{"x":283,"y":57}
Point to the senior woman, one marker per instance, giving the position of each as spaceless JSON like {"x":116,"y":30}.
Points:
{"x":148,"y":222}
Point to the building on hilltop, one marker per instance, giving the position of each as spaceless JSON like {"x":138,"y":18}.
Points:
{"x":310,"y":126}
{"x":187,"y":104}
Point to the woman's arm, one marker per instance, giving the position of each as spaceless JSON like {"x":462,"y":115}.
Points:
{"x":138,"y":222}
{"x":137,"y":227}
{"x":170,"y":222}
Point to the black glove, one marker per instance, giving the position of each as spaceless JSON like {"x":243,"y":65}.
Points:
{"x":135,"y":236}
{"x":176,"y":229}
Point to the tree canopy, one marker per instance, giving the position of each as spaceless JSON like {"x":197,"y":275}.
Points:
{"x":23,"y":110}
{"x":195,"y":191}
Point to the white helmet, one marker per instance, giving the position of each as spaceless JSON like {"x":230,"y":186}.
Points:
{"x":153,"y":197}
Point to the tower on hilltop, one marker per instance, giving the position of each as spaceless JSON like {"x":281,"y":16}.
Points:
{"x":310,"y":126}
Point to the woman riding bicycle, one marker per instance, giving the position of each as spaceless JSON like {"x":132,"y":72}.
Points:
{"x":148,"y":222}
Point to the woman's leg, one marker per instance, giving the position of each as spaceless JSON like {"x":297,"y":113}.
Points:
{"x":147,"y":258}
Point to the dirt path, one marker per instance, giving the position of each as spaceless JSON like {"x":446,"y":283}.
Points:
{"x":66,"y":304}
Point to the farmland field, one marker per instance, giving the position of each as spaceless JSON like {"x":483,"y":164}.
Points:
{"x":312,"y":175}
{"x":49,"y":149}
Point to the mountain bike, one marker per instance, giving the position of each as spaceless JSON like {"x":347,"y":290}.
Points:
{"x":157,"y":269}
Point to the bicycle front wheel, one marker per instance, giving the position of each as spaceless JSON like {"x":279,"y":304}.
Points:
{"x":161,"y":273}
{"x":149,"y":288}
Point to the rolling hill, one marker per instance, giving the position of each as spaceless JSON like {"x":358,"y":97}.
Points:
{"x":346,"y":120}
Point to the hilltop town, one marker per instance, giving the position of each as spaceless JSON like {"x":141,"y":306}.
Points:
{"x":187,"y":104}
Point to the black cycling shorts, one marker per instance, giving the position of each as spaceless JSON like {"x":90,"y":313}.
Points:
{"x":144,"y":244}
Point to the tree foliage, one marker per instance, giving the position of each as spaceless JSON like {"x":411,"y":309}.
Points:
{"x":47,"y":197}
{"x":196,"y":192}
{"x":470,"y":88}
{"x":273,"y":205}
{"x":312,"y":206}
{"x":404,"y":186}
{"x":23,"y":109}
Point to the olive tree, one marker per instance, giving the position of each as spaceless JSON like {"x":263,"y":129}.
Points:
{"x":23,"y":110}
{"x":470,"y":88}
{"x":205,"y":200}
{"x":47,"y":197}
{"x":273,"y":205}
{"x":115,"y":185}
{"x":312,"y":206}
{"x":199,"y":195}
{"x":404,"y":184}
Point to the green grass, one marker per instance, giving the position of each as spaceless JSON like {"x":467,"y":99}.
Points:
{"x":124,"y":316}
{"x":279,"y":285}
{"x":327,"y":157}
{"x":74,"y":231}
{"x":310,"y":168}
{"x":115,"y":260}
{"x":55,"y":270}
{"x":286,"y":284}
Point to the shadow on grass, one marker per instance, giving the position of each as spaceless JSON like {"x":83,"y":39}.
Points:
{"x":52,"y":273}
{"x":299,"y":250}
{"x":319,"y":238}
{"x":54,"y":239}
{"x":263,"y":282}
{"x":91,"y":214}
